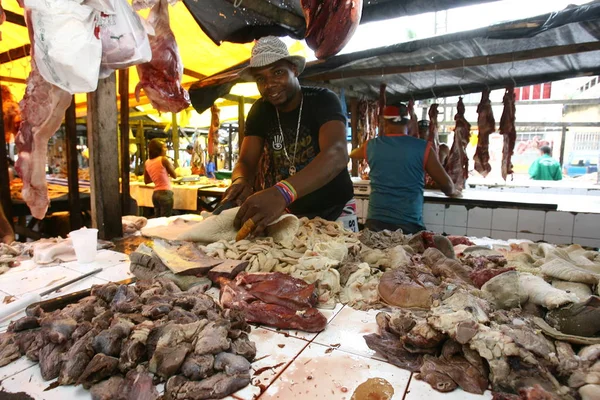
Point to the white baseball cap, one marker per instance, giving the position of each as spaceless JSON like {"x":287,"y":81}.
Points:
{"x":268,"y":50}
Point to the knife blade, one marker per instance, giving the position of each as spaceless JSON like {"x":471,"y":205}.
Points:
{"x":224,"y":206}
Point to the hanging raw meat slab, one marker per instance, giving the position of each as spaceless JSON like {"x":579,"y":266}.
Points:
{"x":434,"y":139}
{"x":508,"y":130}
{"x":413,"y":123}
{"x":457,"y":164}
{"x":330,"y":24}
{"x":486,"y":125}
{"x":161,"y":77}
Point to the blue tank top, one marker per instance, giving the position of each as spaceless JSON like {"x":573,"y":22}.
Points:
{"x":397,"y":165}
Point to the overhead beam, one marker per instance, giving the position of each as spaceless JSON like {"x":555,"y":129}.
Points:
{"x":14,"y":18}
{"x":15,"y":54}
{"x":236,"y":98}
{"x":517,"y":56}
{"x":281,"y":16}
{"x":10,"y":79}
{"x":193,"y":74}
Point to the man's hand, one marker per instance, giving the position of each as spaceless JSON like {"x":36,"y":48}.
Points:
{"x":238,"y":192}
{"x":263,"y":208}
{"x":456,"y":194}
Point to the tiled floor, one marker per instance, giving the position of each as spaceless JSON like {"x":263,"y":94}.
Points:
{"x":289,"y":364}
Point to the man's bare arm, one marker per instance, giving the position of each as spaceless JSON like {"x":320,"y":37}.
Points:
{"x":439,"y":175}
{"x":244,"y":171}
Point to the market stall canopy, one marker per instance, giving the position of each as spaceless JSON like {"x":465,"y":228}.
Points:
{"x":242,"y":21}
{"x":201,"y":57}
{"x":548,"y":47}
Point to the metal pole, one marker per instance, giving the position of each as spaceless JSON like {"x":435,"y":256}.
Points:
{"x":124,"y":111}
{"x":230,"y":147}
{"x":562,"y":145}
{"x":75,"y":219}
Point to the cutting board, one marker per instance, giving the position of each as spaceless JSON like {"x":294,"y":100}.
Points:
{"x":184,"y":257}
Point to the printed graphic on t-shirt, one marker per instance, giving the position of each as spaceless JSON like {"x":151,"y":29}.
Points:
{"x":304,"y":153}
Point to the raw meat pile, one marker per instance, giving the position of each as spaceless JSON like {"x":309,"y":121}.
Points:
{"x":274,"y":299}
{"x":330,"y":24}
{"x":486,"y":125}
{"x":457,"y":164}
{"x":122,"y":340}
{"x":508,"y":130}
{"x":161,"y":77}
{"x":11,"y":114}
{"x":523,"y":318}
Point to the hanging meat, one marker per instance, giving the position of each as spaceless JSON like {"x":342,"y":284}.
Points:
{"x":43,"y":108}
{"x":434,"y":137}
{"x":457,"y":164}
{"x":486,"y":125}
{"x":508,"y":130}
{"x":213,"y":131}
{"x":368,"y":116}
{"x":413,"y":123}
{"x":161,"y":77}
{"x":11,"y":114}
{"x":330,"y":24}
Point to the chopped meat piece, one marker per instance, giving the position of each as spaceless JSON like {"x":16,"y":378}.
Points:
{"x":213,"y":339}
{"x":81,"y":330}
{"x":173,"y":345}
{"x":197,"y":367}
{"x":182,"y":316}
{"x":156,"y":311}
{"x":231,"y":364}
{"x":25,"y":340}
{"x":23,"y":324}
{"x":398,"y":288}
{"x":58,"y":330}
{"x":390,"y":346}
{"x":76,"y":359}
{"x":133,"y":351}
{"x":51,"y":359}
{"x":138,"y":385}
{"x":441,"y":266}
{"x":126,"y":300}
{"x":101,"y":367}
{"x":215,"y":387}
{"x":105,"y":292}
{"x":310,"y":320}
{"x":280,"y":289}
{"x":242,"y":346}
{"x":9,"y":350}
{"x":457,"y":163}
{"x":186,"y":302}
{"x":486,"y":125}
{"x":102,"y":321}
{"x":109,"y":389}
{"x":508,"y":130}
{"x":109,"y":341}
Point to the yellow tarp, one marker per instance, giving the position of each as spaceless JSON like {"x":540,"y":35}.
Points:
{"x":198,"y":52}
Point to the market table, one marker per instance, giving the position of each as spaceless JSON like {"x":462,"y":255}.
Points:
{"x":188,"y":197}
{"x":290,"y":364}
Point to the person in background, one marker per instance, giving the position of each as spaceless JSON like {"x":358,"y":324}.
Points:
{"x":545,"y":168}
{"x":301,"y":133}
{"x":443,"y":153}
{"x":211,"y":167}
{"x":424,"y":129}
{"x":157,"y":169}
{"x":7,"y":235}
{"x":397,"y":165}
{"x":12,"y":173}
{"x":190,"y":150}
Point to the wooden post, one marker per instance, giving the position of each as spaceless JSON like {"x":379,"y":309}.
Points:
{"x":104,"y":159}
{"x":563,"y":138}
{"x":230,"y":147}
{"x":175,"y":132}
{"x":124,"y":95}
{"x":354,"y":130}
{"x":4,"y":178}
{"x":75,"y":219}
{"x":241,"y":123}
{"x":141,"y":139}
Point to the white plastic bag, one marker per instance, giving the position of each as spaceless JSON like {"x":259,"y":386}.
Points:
{"x":124,"y":39}
{"x":66,"y":50}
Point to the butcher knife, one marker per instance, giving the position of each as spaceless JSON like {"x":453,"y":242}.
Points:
{"x":23,"y":302}
{"x":224,"y":206}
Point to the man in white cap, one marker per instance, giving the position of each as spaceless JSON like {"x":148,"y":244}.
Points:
{"x":398,"y":163}
{"x":301,"y":134}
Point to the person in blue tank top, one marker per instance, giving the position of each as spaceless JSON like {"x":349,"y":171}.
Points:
{"x":397,"y":165}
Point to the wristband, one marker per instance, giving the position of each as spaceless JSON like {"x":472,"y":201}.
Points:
{"x":287,"y":191}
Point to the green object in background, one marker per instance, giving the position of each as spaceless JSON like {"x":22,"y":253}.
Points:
{"x":223,"y":174}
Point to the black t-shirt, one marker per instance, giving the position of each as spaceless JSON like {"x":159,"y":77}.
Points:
{"x":320,"y":106}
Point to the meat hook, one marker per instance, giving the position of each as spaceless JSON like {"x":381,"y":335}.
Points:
{"x":487,"y":73}
{"x":461,"y":79}
{"x":237,"y":3}
{"x":512,"y":68}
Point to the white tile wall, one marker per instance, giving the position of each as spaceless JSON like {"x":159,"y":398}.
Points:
{"x":531,"y":221}
{"x":503,"y":235}
{"x":530,"y":236}
{"x":456,"y":216}
{"x":557,"y":239}
{"x":505,"y":219}
{"x":587,"y":242}
{"x":587,"y":226}
{"x":559,"y":223}
{"x":477,"y":232}
{"x":433,"y":213}
{"x":480,"y":218}
{"x":455,"y":230}
{"x":435,"y":228}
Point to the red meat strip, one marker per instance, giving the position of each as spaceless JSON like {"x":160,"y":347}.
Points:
{"x":457,"y":164}
{"x":330,"y":24}
{"x":508,"y":130}
{"x":434,"y":137}
{"x":281,"y":289}
{"x":486,"y":125}
{"x":413,"y":123}
{"x":161,"y":77}
{"x":43,"y":109}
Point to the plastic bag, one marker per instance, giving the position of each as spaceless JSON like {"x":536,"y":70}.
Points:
{"x":124,"y":39}
{"x":142,"y":4}
{"x":66,"y":50}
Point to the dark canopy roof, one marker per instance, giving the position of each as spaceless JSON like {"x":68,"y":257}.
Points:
{"x":242,"y":21}
{"x":548,"y":47}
